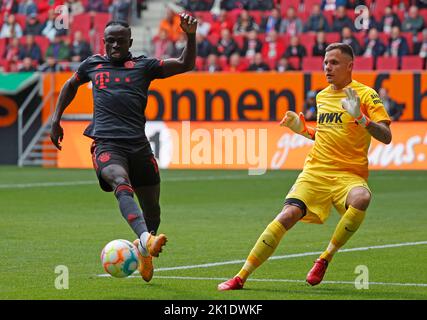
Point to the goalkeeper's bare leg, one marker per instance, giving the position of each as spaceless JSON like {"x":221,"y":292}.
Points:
{"x":265,"y":246}
{"x":357,"y":202}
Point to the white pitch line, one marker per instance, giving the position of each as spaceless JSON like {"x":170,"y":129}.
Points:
{"x":289,"y":256}
{"x":286,"y":280}
{"x":88,"y":182}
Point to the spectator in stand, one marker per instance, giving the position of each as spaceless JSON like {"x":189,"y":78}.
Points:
{"x":259,"y":5}
{"x":251,"y":45}
{"x":420,"y":47}
{"x":235,"y":64}
{"x":317,"y":21}
{"x":352,"y":4}
{"x":319,"y":48}
{"x":197,"y":5}
{"x":373,"y":45}
{"x":120,"y":10}
{"x":212,"y":64}
{"x":96,"y":6}
{"x":31,"y":50}
{"x":310,"y":107}
{"x":413,"y":22}
{"x":58,"y":50}
{"x":397,"y":46}
{"x":162,"y":45}
{"x":284,"y":65}
{"x":8,"y":7}
{"x":204,"y":47}
{"x":171,"y":24}
{"x":233,"y":4}
{"x":347,"y":37}
{"x":394,"y":109}
{"x":27,"y":65}
{"x":49,"y":30}
{"x":203,"y":27}
{"x":258,"y":64}
{"x":332,"y":5}
{"x":271,"y":21}
{"x":11,"y":28}
{"x":272,"y":48}
{"x":341,"y":20}
{"x":80,"y":48}
{"x":11,"y":54}
{"x":295,"y":49}
{"x":389,"y":20}
{"x":179,"y":45}
{"x":51,"y":65}
{"x":220,"y":22}
{"x":421,"y":4}
{"x":33,"y":26}
{"x":291,"y":25}
{"x":75,"y":7}
{"x":27,"y":7}
{"x":402,"y":5}
{"x":226,"y":45}
{"x":244,"y":24}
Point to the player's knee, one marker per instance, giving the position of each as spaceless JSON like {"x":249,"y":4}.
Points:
{"x":289,"y":216}
{"x":359,"y":198}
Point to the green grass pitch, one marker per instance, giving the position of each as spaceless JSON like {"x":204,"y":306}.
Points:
{"x":52,"y":217}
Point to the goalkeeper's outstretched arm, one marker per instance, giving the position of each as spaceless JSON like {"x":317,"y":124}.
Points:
{"x":297,"y":124}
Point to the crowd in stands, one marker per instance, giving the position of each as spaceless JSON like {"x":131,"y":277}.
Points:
{"x":53,"y":35}
{"x":287,"y":35}
{"x":240,"y":35}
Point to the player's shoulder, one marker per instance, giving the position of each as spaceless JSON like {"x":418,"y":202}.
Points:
{"x":324,"y":92}
{"x":361,"y":88}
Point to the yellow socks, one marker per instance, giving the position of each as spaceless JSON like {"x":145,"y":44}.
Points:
{"x":346,"y":227}
{"x":263,"y":249}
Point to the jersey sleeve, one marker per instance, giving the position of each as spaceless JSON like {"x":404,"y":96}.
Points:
{"x":82,"y":72}
{"x":373,"y":107}
{"x":153,"y":68}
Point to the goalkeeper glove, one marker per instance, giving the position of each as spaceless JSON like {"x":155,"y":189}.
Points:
{"x":352,"y":105}
{"x":297,"y":124}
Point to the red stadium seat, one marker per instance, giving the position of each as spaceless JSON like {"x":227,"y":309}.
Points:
{"x":363,"y":63}
{"x":332,"y":37}
{"x":100,"y":21}
{"x":387,"y":63}
{"x":384,"y":37}
{"x":308,"y":4}
{"x":257,"y":15}
{"x":412,"y":63}
{"x":205,"y":15}
{"x":409,"y":39}
{"x":43,"y":43}
{"x":223,"y":62}
{"x":213,"y":39}
{"x":81,"y":22}
{"x":285,"y":4}
{"x":240,"y":40}
{"x":295,"y":62}
{"x":21,"y":19}
{"x":312,"y":64}
{"x":200,"y":63}
{"x":2,"y":47}
{"x":271,"y":63}
{"x":423,"y":13}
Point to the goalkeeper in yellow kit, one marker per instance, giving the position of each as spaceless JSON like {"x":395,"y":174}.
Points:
{"x":335,"y":171}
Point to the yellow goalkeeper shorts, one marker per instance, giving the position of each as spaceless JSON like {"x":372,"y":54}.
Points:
{"x":320,"y":190}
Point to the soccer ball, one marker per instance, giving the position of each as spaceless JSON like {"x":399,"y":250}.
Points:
{"x":119,"y":258}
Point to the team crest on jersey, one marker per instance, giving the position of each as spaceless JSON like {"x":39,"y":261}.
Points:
{"x":129,"y":64}
{"x":104,"y":157}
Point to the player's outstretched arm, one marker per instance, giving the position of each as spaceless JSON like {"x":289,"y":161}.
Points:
{"x":187,"y":59}
{"x":379,"y":130}
{"x":67,"y":94}
{"x":297,"y":124}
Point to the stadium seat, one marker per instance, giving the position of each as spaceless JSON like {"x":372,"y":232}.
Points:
{"x":213,"y":39}
{"x":409,"y":39}
{"x":100,"y":21}
{"x":257,"y":15}
{"x":308,"y":4}
{"x":312,"y":64}
{"x":2,"y":47}
{"x":271,"y":63}
{"x":384,"y":37}
{"x":206,"y":16}
{"x":423,"y":13}
{"x":295,"y":62}
{"x":43,"y":43}
{"x":387,"y":63}
{"x":200,"y":63}
{"x":223,"y":62}
{"x":285,"y":4}
{"x":240,"y":40}
{"x":412,"y":63}
{"x":363,"y":63}
{"x":81,"y":22}
{"x":332,"y":37}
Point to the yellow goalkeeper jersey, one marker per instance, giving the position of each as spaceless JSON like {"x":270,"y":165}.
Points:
{"x":341,"y":144}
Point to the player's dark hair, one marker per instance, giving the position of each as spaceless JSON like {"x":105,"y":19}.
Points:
{"x":118,"y":23}
{"x":344,"y":48}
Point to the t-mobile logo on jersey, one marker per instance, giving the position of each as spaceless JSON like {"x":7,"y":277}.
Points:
{"x":101,"y":78}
